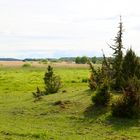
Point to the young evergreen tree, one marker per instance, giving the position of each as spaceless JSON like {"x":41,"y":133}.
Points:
{"x":106,"y":68}
{"x":52,"y":81}
{"x":38,"y":94}
{"x":130,"y":65}
{"x":102,"y":96}
{"x":118,"y":58}
{"x":96,"y":77}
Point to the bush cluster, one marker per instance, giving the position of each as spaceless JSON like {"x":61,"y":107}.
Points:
{"x":128,"y":105}
{"x":102,"y":95}
{"x":123,"y":74}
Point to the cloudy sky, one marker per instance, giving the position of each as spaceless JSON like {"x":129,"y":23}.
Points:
{"x":56,"y":28}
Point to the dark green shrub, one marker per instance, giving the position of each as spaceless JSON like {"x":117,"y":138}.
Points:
{"x":84,"y":80}
{"x":26,"y":65}
{"x":92,"y":82}
{"x":38,"y":94}
{"x":128,"y":105}
{"x":44,"y":61}
{"x":94,"y":59}
{"x":102,"y":96}
{"x":73,"y":81}
{"x":130,"y":66}
{"x":52,"y":81}
{"x":96,"y":77}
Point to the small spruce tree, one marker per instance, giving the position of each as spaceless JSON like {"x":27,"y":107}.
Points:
{"x":102,"y":96}
{"x":130,"y":65}
{"x":52,"y":81}
{"x":38,"y":94}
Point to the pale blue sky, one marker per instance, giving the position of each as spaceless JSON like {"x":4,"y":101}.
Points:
{"x":55,"y":28}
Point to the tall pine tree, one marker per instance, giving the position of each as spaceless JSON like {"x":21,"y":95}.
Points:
{"x":118,"y":58}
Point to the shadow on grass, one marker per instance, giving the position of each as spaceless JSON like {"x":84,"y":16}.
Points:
{"x":81,"y":93}
{"x":94,"y":111}
{"x":89,"y":92}
{"x":90,"y":116}
{"x":122,"y":123}
{"x":103,"y":115}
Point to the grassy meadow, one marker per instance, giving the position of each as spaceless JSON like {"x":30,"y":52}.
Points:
{"x":66,"y":115}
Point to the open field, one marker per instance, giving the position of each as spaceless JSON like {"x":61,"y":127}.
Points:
{"x":67,"y":115}
{"x":38,"y":64}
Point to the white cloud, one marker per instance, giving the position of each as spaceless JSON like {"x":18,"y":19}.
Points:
{"x":72,"y":27}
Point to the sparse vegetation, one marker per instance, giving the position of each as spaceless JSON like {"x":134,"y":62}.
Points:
{"x":71,"y":114}
{"x":71,"y":108}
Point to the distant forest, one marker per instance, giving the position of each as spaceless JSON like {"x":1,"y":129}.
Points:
{"x":66,"y":59}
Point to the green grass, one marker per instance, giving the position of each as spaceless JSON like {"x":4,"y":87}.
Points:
{"x":76,"y":119}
